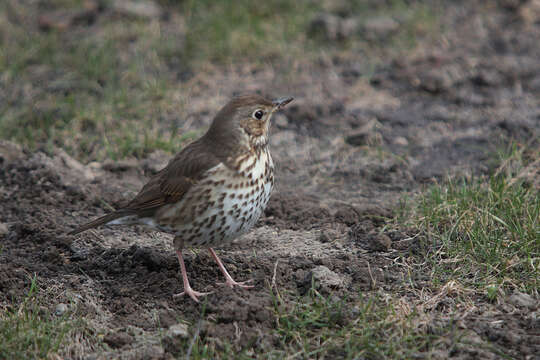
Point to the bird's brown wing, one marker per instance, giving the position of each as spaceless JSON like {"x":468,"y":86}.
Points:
{"x":171,"y":183}
{"x":167,"y":186}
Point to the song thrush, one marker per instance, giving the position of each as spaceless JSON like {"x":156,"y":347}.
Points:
{"x":214,"y":190}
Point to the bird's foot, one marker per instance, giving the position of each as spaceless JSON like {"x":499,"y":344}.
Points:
{"x":192,"y":294}
{"x":230,"y":282}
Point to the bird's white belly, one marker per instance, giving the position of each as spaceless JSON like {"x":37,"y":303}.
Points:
{"x":234,"y":204}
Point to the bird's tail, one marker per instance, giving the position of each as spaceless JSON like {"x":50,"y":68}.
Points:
{"x":100,"y":221}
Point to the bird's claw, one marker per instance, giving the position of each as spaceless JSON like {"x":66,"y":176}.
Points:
{"x":192,"y":294}
{"x":231,"y":283}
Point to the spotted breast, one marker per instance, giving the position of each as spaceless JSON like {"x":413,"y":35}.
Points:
{"x":224,"y":205}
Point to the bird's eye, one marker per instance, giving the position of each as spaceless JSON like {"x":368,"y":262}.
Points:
{"x":258,"y":114}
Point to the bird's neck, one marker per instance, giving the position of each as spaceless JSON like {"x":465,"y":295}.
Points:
{"x":258,"y":143}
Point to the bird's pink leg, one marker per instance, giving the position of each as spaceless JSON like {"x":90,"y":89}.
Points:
{"x":229,"y":281}
{"x":187,"y":288}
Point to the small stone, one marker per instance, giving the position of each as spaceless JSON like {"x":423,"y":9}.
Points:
{"x":380,"y":242}
{"x":324,"y":279}
{"x":401,"y":141}
{"x":523,"y":300}
{"x":60,"y":309}
{"x":175,"y":337}
{"x":178,"y":330}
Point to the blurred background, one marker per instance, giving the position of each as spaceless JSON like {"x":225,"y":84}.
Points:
{"x":121,"y":78}
{"x":445,"y":86}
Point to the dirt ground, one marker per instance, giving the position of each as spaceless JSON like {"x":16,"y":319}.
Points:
{"x":347,"y":150}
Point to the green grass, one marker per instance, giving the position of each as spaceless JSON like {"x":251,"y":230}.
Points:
{"x":98,"y":94}
{"x":484,"y":233}
{"x":370,"y":328}
{"x":31,"y":331}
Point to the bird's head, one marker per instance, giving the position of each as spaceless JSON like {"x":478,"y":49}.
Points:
{"x":245,"y":121}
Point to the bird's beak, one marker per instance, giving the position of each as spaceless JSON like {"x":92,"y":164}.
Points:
{"x":279,"y":103}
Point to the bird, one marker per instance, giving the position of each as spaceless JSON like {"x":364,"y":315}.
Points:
{"x":214,"y":190}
